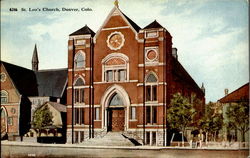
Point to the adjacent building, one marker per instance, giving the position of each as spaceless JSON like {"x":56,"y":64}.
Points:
{"x":122,"y":78}
{"x":237,"y":96}
{"x":23,"y":90}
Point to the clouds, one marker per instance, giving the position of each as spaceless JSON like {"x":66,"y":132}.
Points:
{"x":211,"y":36}
{"x":212,"y":43}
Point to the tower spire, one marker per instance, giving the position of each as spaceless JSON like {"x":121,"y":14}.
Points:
{"x":35,"y":60}
{"x":116,"y":3}
{"x":203,"y":88}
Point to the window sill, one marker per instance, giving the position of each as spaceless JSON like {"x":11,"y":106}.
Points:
{"x":150,"y":102}
{"x":79,"y":125}
{"x":79,"y":69}
{"x":115,"y":81}
{"x":132,"y":120}
{"x":149,"y":125}
{"x":78,"y":104}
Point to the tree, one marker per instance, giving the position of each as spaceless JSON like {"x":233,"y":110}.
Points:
{"x":42,"y":118}
{"x":211,"y":122}
{"x":238,"y":117}
{"x":180,"y":113}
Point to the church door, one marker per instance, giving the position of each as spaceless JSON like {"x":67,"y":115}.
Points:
{"x":116,"y":119}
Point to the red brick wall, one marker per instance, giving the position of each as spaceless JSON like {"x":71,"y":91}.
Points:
{"x":13,"y":103}
{"x":134,"y":50}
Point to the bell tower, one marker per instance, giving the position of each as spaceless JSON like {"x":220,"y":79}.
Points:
{"x":35,"y":60}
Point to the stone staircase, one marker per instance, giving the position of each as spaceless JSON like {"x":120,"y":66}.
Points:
{"x":110,"y":139}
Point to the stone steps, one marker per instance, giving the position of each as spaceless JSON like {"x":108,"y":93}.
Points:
{"x":110,"y":139}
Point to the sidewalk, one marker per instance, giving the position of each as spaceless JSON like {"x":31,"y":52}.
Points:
{"x":145,"y":147}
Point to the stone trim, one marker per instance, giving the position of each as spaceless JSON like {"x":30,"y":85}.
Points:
{"x":115,"y":28}
{"x":79,"y":37}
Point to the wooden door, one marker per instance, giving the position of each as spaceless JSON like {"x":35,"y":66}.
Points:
{"x":116,"y":120}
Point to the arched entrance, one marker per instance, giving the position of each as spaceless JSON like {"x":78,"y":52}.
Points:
{"x":115,"y":103}
{"x":116,"y":114}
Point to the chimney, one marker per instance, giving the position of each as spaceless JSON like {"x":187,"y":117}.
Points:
{"x":226,"y":91}
{"x":174,"y":53}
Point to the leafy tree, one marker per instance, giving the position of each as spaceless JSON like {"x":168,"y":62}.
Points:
{"x":217,"y":124}
{"x":238,"y":117}
{"x":42,"y":118}
{"x":180,"y":113}
{"x":211,"y":122}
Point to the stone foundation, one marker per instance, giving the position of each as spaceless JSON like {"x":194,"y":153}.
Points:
{"x":135,"y":134}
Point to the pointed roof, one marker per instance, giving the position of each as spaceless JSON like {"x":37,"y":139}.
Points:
{"x":154,"y":24}
{"x":132,"y":23}
{"x":35,"y":56}
{"x":51,"y":82}
{"x":116,"y":10}
{"x":23,"y":79}
{"x":83,"y":31}
{"x":202,"y":86}
{"x":59,"y":107}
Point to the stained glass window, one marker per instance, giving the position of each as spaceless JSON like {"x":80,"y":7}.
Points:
{"x":116,"y":100}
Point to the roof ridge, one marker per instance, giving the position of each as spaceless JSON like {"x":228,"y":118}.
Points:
{"x":236,"y":90}
{"x":1,"y":61}
{"x":132,"y":23}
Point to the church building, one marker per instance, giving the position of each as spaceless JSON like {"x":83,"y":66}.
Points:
{"x":122,"y":78}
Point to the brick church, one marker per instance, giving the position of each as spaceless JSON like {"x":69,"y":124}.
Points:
{"x":122,"y":78}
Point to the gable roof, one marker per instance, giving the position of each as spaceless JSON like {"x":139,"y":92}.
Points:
{"x":240,"y":94}
{"x":84,"y":31}
{"x":51,"y":82}
{"x":57,"y":106}
{"x":154,"y":24}
{"x":23,"y":79}
{"x":131,"y":23}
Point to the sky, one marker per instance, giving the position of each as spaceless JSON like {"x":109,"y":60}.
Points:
{"x":211,"y":35}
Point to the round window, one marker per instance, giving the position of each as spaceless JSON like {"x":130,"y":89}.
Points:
{"x":3,"y":77}
{"x":151,"y":55}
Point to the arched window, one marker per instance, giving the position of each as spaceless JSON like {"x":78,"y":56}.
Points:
{"x":151,"y":78}
{"x":79,"y":91}
{"x":79,"y":100}
{"x":151,"y":88}
{"x":4,"y":97}
{"x":116,"y":100}
{"x":151,"y":96}
{"x":80,"y":60}
{"x":3,"y":121}
{"x":115,"y":68}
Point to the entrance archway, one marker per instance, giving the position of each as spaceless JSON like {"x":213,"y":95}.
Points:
{"x":115,"y":103}
{"x":116,"y":114}
{"x":3,"y":121}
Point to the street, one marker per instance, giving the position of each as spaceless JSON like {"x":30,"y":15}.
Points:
{"x":54,"y":150}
